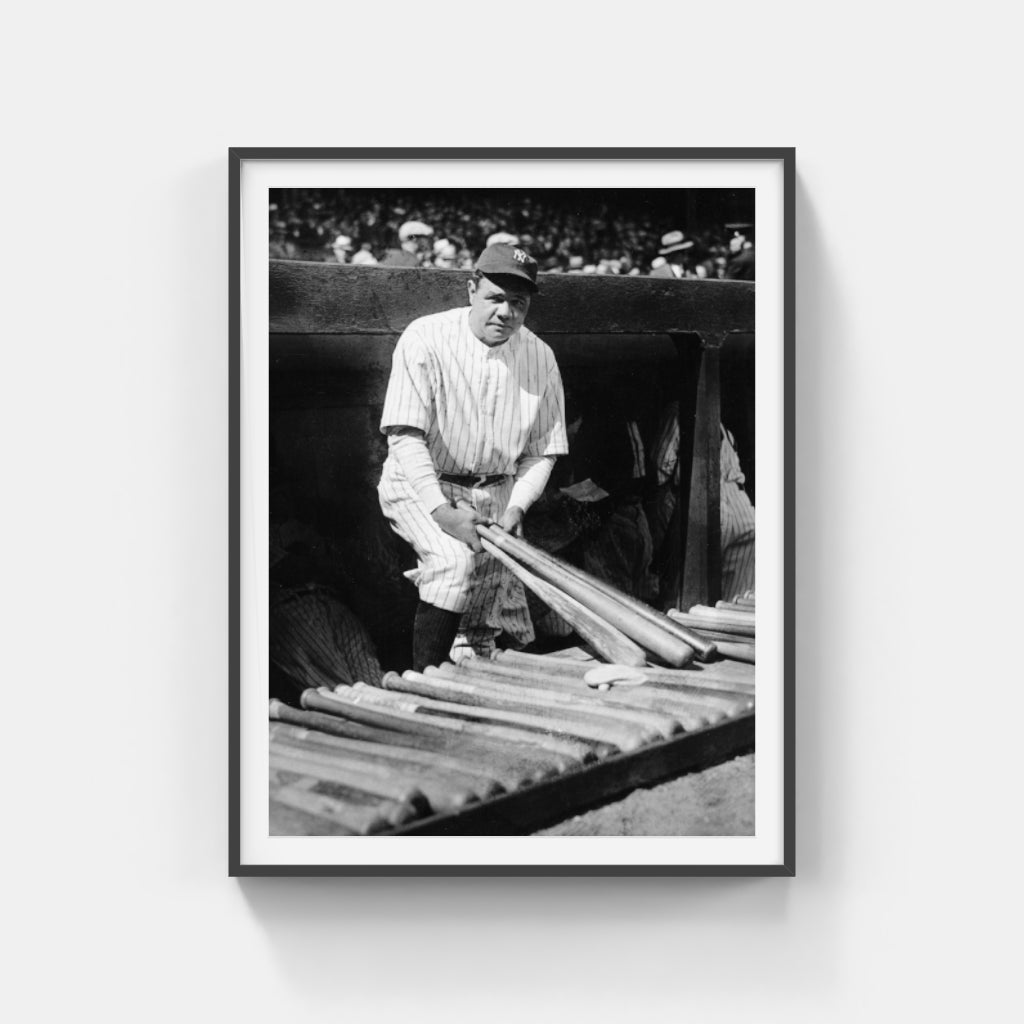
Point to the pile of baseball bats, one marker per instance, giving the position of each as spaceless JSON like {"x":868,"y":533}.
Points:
{"x":368,"y":760}
{"x":729,"y":625}
{"x":620,"y":628}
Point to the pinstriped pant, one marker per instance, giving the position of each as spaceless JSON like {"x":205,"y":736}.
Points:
{"x":448,"y":574}
{"x":737,"y":541}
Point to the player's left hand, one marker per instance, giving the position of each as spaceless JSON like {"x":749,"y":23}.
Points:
{"x":512,"y":521}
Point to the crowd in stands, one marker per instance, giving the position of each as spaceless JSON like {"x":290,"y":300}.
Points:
{"x":591,"y":236}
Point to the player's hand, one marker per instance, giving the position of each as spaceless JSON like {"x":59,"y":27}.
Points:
{"x":512,"y":521}
{"x":460,"y":523}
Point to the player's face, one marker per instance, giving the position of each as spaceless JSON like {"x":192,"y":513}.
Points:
{"x":496,"y":311}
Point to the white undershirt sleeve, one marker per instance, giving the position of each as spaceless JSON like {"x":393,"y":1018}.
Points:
{"x":531,"y":478}
{"x":410,"y":449}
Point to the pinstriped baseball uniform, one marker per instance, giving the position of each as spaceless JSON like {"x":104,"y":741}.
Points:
{"x":737,"y":514}
{"x":483,"y":410}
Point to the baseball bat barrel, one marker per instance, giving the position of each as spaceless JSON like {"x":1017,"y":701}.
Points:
{"x":362,"y":704}
{"x":486,"y":777}
{"x":710,"y":633}
{"x":703,"y":624}
{"x":703,"y":611}
{"x":700,"y":679}
{"x":736,"y":652}
{"x":649,"y":628}
{"x":656,"y":724}
{"x":623,"y":735}
{"x":447,"y":789}
{"x":691,"y":706}
{"x":602,"y":746}
{"x":409,"y":800}
{"x":667,"y":716}
{"x":609,"y":641}
{"x":347,"y":817}
{"x":511,"y":767}
{"x":474,"y":778}
{"x":733,"y":606}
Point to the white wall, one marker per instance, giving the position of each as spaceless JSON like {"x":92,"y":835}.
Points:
{"x":117,"y":905}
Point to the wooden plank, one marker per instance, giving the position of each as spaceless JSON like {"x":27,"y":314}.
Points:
{"x":556,"y":799}
{"x":702,"y":564}
{"x":325,"y":298}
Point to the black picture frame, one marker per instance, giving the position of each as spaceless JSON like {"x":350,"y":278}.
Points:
{"x":237,"y":157}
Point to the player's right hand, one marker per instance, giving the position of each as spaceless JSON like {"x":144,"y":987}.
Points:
{"x":460,"y":523}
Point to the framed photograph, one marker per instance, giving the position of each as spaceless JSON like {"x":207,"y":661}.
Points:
{"x":511,"y":512}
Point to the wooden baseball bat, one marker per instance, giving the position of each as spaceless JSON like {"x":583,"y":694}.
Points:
{"x":475,"y":778}
{"x":650,"y":629}
{"x":345,"y":818}
{"x":655,"y":723}
{"x":517,"y":720}
{"x":733,"y":606}
{"x":702,"y":679}
{"x":384,"y":779}
{"x":700,"y":623}
{"x":669,"y":716}
{"x":607,"y":640}
{"x":509,"y":770}
{"x":400,"y":804}
{"x":667,"y":711}
{"x":588,"y":726}
{"x":381,"y":707}
{"x":691,"y":707}
{"x":712,"y":634}
{"x":736,"y":652}
{"x":447,"y":790}
{"x":744,"y":618}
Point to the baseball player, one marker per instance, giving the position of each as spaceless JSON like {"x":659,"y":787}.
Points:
{"x":475,"y":417}
{"x":737,"y":513}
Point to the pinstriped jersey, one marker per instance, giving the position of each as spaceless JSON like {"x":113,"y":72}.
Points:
{"x":481,"y":407}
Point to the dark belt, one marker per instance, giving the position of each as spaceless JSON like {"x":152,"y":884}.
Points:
{"x":473,"y":480}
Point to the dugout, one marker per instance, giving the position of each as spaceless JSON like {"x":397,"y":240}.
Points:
{"x":333,"y":329}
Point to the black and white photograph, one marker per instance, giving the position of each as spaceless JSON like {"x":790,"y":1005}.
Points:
{"x":511,"y":512}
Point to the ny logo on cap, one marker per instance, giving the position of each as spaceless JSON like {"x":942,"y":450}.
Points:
{"x":519,"y":256}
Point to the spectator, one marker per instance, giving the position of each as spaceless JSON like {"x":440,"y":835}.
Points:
{"x":675,"y":248}
{"x":741,"y":245}
{"x":446,"y":256}
{"x":342,"y":247}
{"x":365,"y":257}
{"x":414,"y":244}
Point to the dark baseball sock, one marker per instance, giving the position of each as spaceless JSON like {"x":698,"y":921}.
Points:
{"x":433,"y":633}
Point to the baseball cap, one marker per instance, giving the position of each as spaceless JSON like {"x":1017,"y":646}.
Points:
{"x":411,"y":228}
{"x":674,"y":241}
{"x":509,"y":260}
